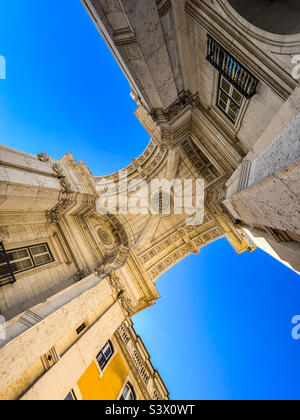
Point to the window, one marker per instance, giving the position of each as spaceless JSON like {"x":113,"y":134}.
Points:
{"x":23,"y":259}
{"x":41,"y":254}
{"x":104,"y":355}
{"x":235,"y":82}
{"x":229,"y":99}
{"x":233,"y":71}
{"x":71,"y":396}
{"x":6,"y":274}
{"x":128,"y":393}
{"x":81,"y":328}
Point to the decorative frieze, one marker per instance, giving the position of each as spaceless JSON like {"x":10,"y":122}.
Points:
{"x":201,"y":162}
{"x":187,"y":246}
{"x":142,"y":167}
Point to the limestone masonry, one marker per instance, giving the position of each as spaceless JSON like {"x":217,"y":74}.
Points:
{"x":221,"y":103}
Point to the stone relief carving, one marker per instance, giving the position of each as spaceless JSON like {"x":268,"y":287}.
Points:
{"x":43,"y":157}
{"x":113,"y":261}
{"x":188,"y":240}
{"x":121,"y":294}
{"x":126,"y":303}
{"x":106,"y":237}
{"x":185,"y":98}
{"x":65,"y":185}
{"x":53,"y":215}
{"x":79,"y":276}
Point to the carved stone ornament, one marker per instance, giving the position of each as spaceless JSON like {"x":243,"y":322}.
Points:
{"x":121,"y":294}
{"x":113,"y":261}
{"x":79,"y":276}
{"x":126,"y":303}
{"x":185,"y":98}
{"x":53,"y":215}
{"x":43,"y":157}
{"x":65,"y":185}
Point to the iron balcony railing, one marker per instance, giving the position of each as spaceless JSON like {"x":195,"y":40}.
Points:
{"x":231,"y":69}
{"x":6,"y":273}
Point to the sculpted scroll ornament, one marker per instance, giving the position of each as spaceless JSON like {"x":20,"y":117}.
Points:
{"x":185,"y":99}
{"x":121,"y":294}
{"x":113,"y":261}
{"x":53,"y":215}
{"x":43,"y":157}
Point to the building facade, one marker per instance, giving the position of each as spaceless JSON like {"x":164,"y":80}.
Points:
{"x":220,"y":98}
{"x":122,"y":370}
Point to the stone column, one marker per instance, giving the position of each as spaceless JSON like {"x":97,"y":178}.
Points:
{"x":264,"y":193}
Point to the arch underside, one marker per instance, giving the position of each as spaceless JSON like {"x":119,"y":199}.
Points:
{"x":175,"y":89}
{"x":159,"y":241}
{"x":275,"y":16}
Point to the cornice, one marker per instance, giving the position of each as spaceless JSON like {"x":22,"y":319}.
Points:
{"x":185,"y":99}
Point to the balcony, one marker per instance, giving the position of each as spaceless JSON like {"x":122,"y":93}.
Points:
{"x":231,"y":69}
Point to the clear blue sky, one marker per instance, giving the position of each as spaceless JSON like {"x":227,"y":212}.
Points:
{"x":222,"y":329}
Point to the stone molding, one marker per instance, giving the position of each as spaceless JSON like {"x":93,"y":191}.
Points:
{"x":113,"y":261}
{"x":185,"y":99}
{"x":139,"y":360}
{"x":117,"y":287}
{"x":244,"y":175}
{"x":43,"y":157}
{"x":29,"y":319}
{"x":53,"y":216}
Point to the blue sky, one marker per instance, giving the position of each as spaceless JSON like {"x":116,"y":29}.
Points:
{"x":222,"y":328}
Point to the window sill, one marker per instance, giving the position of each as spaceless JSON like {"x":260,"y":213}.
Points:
{"x":19,"y":276}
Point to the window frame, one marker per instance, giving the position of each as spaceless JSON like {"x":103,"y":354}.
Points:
{"x":31,"y":257}
{"x":230,"y":99}
{"x":131,"y":390}
{"x":8,"y":277}
{"x":107,"y":360}
{"x":236,"y":73}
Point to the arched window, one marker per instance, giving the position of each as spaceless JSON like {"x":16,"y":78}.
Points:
{"x":104,"y":355}
{"x":128,"y":393}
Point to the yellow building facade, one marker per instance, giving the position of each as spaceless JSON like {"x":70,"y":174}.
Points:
{"x":122,"y":370}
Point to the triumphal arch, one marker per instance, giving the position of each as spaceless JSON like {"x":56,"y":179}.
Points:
{"x":217,"y":89}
